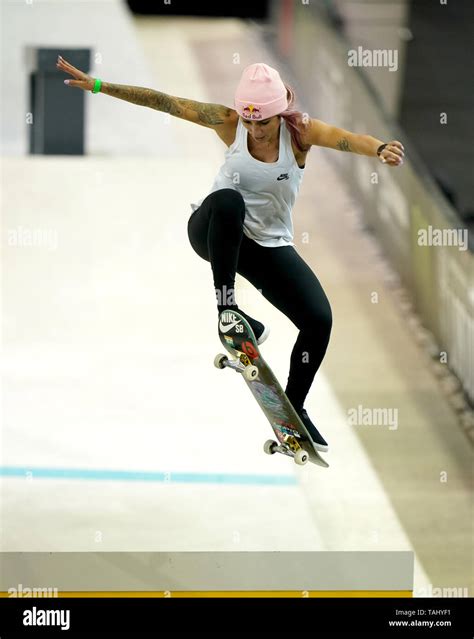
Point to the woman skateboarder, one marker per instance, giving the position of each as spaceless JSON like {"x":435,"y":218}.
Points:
{"x":244,"y":224}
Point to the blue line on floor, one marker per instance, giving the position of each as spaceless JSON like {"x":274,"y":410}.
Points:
{"x":130,"y":475}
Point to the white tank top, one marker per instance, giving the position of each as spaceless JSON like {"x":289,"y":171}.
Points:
{"x":269,"y":189}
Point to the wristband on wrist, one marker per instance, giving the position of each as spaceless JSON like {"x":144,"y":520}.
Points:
{"x":381,"y":148}
{"x":97,"y":85}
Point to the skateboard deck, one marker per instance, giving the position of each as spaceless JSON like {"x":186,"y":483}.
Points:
{"x":239,"y":340}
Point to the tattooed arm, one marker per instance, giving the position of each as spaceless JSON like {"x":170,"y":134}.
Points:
{"x":208,"y":115}
{"x":322,"y":134}
{"x":215,"y":116}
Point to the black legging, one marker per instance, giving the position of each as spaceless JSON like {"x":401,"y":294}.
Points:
{"x":215,"y":231}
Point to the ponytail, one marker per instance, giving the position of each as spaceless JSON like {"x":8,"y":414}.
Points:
{"x":296,"y":121}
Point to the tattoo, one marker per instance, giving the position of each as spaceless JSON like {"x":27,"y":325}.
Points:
{"x":343,"y":145}
{"x":207,"y":113}
{"x":136,"y":95}
{"x":201,"y":112}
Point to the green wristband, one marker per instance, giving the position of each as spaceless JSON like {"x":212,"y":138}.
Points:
{"x":97,"y":85}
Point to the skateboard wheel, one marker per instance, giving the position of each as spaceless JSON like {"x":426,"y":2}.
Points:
{"x":250,"y":373}
{"x":219,"y":360}
{"x":301,"y":457}
{"x":269,"y":446}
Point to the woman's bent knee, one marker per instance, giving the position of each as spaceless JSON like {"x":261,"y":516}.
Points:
{"x":318,"y":321}
{"x":228,"y":201}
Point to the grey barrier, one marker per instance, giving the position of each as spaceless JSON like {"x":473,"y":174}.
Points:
{"x":56,"y":572}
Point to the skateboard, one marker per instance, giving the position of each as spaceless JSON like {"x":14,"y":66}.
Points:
{"x":239,"y":340}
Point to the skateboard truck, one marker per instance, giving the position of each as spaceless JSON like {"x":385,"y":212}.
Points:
{"x":289,"y":446}
{"x":241,"y":365}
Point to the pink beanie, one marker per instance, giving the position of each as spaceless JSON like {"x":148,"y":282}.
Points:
{"x":260,"y":93}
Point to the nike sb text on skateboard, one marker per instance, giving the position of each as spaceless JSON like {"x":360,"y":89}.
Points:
{"x":292,"y":437}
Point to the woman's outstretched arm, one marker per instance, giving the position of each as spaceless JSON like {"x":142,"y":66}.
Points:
{"x":322,"y":134}
{"x":209,"y":115}
{"x":198,"y":112}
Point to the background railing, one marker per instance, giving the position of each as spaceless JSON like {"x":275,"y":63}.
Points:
{"x":397,"y":204}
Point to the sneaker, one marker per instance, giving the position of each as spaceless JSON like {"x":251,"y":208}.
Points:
{"x":260,"y":331}
{"x":319,"y":442}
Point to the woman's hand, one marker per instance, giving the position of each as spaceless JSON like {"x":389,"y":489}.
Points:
{"x":82,"y":80}
{"x":392,"y":154}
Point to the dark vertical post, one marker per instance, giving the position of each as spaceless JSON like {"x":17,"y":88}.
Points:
{"x":57,"y":110}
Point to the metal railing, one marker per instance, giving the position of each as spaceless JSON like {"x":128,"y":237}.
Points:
{"x":422,"y":235}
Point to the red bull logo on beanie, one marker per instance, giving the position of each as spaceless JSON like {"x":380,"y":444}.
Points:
{"x":251,"y":112}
